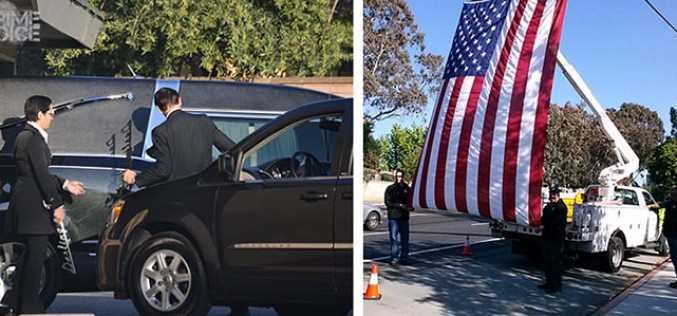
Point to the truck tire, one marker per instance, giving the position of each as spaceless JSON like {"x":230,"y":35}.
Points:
{"x":612,"y":259}
{"x":663,"y":247}
{"x":167,"y":277}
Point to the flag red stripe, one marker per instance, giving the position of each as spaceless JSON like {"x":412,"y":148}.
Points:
{"x":538,"y":144}
{"x":431,"y":140}
{"x":513,"y":134}
{"x":464,"y":144}
{"x":490,"y":116}
{"x":444,"y":144}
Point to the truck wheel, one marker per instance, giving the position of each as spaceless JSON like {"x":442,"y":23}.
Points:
{"x":663,"y":247}
{"x":10,"y":252}
{"x":167,"y":278}
{"x":612,"y":259}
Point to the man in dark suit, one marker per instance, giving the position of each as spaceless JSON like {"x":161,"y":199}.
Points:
{"x":182,"y":145}
{"x":35,"y":204}
{"x":553,"y":225}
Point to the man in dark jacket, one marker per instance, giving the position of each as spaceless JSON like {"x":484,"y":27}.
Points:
{"x":398,"y":219}
{"x":670,"y":227}
{"x":182,"y":145}
{"x":553,"y":225}
{"x":35,"y":204}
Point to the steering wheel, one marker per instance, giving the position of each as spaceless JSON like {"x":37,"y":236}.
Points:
{"x":306,"y":161}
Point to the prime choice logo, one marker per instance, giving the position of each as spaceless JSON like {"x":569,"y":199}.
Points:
{"x":19,"y":26}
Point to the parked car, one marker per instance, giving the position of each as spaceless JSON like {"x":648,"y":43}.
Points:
{"x":89,"y":144}
{"x":373,"y":215}
{"x":268,"y":224}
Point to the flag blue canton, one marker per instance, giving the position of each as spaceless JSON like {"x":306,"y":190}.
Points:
{"x":475,"y":38}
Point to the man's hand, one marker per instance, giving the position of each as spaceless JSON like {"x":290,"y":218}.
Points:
{"x":74,"y":187}
{"x":59,"y":215}
{"x":129,"y":177}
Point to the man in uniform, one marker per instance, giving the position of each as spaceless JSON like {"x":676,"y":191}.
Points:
{"x":553,"y":225}
{"x":398,"y":219}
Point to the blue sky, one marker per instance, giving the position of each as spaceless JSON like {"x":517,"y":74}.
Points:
{"x":621,"y":48}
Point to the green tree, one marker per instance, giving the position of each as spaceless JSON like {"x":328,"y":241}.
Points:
{"x":663,"y":163}
{"x":577,"y":148}
{"x":372,"y":155}
{"x":394,"y":84}
{"x":404,"y":148}
{"x":641,"y":127}
{"x":239,"y":39}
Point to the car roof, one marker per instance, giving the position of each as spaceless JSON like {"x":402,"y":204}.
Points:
{"x":97,"y":128}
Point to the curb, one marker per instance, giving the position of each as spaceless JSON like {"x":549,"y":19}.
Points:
{"x":620,"y":297}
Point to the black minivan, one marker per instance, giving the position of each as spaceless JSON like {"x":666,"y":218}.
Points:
{"x":108,"y":132}
{"x":269,"y":223}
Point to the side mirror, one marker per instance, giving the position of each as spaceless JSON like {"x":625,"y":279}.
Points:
{"x":225,"y":165}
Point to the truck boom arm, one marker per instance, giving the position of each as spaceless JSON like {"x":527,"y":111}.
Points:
{"x":628,"y":162}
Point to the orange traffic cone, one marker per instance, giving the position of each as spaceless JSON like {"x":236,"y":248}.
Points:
{"x":466,"y":249}
{"x":372,"y":288}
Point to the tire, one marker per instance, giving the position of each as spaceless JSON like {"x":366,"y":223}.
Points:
{"x":187,"y":293}
{"x":311,"y":310}
{"x":51,"y":272}
{"x":663,"y":247}
{"x":612,"y":259}
{"x":372,"y":221}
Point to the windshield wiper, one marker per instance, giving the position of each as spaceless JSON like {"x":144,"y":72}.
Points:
{"x":68,"y":105}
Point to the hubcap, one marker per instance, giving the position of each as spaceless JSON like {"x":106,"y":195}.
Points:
{"x":617,"y":257}
{"x":372,"y":221}
{"x":165,"y":280}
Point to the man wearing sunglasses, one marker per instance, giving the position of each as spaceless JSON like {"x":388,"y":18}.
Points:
{"x":396,"y":196}
{"x":35,"y":205}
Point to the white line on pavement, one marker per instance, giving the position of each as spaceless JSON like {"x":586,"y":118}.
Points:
{"x":459,"y":245}
{"x":478,"y":224}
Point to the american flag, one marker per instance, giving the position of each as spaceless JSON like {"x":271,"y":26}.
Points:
{"x":484,"y":150}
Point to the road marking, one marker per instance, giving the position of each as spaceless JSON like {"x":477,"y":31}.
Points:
{"x":478,"y":224}
{"x":459,"y":245}
{"x":374,"y":234}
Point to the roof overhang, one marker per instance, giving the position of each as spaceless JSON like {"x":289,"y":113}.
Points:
{"x":62,"y":24}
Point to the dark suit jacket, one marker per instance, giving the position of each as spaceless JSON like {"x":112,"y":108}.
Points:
{"x":182,"y":145}
{"x":34,"y":184}
{"x":554,"y":221}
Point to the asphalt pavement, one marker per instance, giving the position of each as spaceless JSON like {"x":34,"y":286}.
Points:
{"x":492,"y":281}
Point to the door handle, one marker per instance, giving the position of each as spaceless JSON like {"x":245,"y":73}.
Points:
{"x":314,"y":196}
{"x":347,"y":196}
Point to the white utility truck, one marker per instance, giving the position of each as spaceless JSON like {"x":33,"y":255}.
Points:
{"x":611,"y":218}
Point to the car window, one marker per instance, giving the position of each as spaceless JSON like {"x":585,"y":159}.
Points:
{"x":304,"y":150}
{"x":236,"y":128}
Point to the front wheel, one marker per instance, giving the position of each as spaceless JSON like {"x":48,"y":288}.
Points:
{"x":10,"y":252}
{"x":167,"y":278}
{"x":612,"y":259}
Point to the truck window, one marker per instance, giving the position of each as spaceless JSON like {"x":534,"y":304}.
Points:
{"x":648,"y":198}
{"x":628,"y":197}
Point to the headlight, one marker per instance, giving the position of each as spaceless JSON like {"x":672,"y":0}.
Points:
{"x":115,"y":212}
